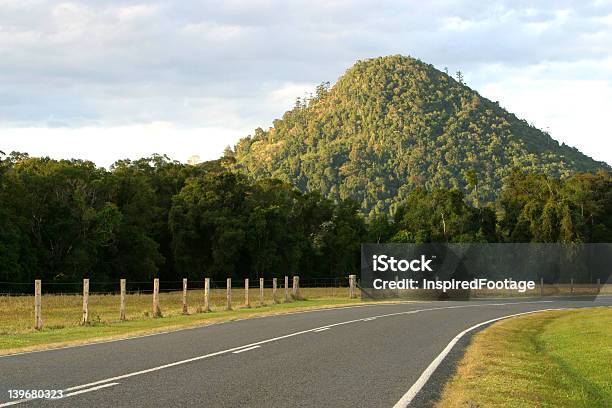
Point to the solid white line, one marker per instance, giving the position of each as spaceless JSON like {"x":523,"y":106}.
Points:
{"x":286,"y":336}
{"x":321,"y":329}
{"x":90,"y":389}
{"x":99,"y":387}
{"x":245,"y":349}
{"x":418,"y":385}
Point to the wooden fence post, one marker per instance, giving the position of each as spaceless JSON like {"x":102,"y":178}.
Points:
{"x":122,"y":300}
{"x":85,"y":319}
{"x":156,"y":309}
{"x":261,"y":291}
{"x":207,"y":294}
{"x":228,"y":295}
{"x":352,"y":279}
{"x":247,"y":301}
{"x":397,"y":289}
{"x":274,"y":284}
{"x":38,"y":325}
{"x":296,"y":287}
{"x":185,"y":308}
{"x":286,"y":289}
{"x":572,"y":286}
{"x":541,"y":286}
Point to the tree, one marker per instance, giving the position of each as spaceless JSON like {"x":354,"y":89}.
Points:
{"x":338,"y":240}
{"x":459,"y":76}
{"x":62,"y":207}
{"x":208,"y":225}
{"x":135,"y":252}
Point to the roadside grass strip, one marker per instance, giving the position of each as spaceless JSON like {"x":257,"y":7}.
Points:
{"x":57,"y":337}
{"x":549,"y":359}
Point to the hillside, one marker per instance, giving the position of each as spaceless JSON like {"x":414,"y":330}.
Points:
{"x":393,"y":123}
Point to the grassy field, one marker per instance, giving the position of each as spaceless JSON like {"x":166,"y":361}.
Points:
{"x":62,"y":314}
{"x":63,"y":311}
{"x":77,"y":334}
{"x":548,"y":359}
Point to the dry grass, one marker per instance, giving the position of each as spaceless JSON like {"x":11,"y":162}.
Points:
{"x":77,"y":334}
{"x":61,"y":311}
{"x":548,"y":359}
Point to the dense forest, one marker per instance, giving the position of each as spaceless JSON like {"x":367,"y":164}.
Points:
{"x":154,"y":217}
{"x":64,"y":220}
{"x":395,"y":151}
{"x":393,"y":124}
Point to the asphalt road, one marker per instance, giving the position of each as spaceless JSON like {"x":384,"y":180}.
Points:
{"x":357,"y":356}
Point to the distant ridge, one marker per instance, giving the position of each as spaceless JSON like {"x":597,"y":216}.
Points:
{"x":393,"y":123}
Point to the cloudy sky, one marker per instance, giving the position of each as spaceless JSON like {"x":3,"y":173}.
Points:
{"x":111,"y":79}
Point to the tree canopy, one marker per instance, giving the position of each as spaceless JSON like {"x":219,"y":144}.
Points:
{"x":154,"y":217}
{"x":392,"y":124}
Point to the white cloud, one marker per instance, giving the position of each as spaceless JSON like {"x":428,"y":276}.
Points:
{"x":455,"y":23}
{"x":214,"y":31}
{"x":575,"y":112}
{"x":570,"y":100}
{"x":106,"y":145}
{"x":136,"y":11}
{"x":117,"y":67}
{"x":288,"y":92}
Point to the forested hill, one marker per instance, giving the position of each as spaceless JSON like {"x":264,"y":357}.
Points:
{"x":393,"y":123}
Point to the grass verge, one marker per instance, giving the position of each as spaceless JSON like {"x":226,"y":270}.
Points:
{"x":548,"y":359}
{"x":62,"y":311}
{"x":59,"y":337}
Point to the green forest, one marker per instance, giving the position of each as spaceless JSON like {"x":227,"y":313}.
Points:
{"x":395,"y":151}
{"x":62,"y":220}
{"x":392,"y":124}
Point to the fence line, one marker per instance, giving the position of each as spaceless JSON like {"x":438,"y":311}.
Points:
{"x":211,"y":294}
{"x":192,"y":296}
{"x":144,"y":287}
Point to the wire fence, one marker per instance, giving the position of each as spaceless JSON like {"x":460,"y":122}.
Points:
{"x":144,"y":287}
{"x":62,"y":303}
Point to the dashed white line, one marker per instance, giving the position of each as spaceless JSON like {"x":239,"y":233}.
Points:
{"x":245,"y":349}
{"x":70,"y":394}
{"x":8,"y":404}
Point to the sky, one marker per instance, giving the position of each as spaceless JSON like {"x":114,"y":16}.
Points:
{"x":112,"y":79}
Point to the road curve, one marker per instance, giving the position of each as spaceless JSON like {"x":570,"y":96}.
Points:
{"x":356,"y":356}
